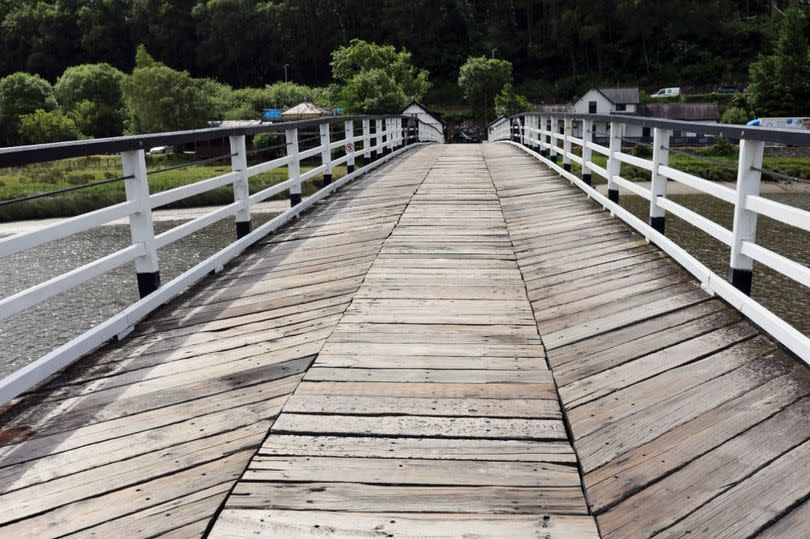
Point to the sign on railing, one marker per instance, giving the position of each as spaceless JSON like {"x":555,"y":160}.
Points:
{"x":378,"y":139}
{"x":547,"y":136}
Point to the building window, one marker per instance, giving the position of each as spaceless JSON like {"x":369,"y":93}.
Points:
{"x":591,"y":107}
{"x":645,"y":132}
{"x":621,"y":107}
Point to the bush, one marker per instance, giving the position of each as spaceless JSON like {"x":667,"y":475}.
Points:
{"x":722,"y":147}
{"x":91,"y":95}
{"x":734,"y":115}
{"x":641,"y":150}
{"x":162,"y":99}
{"x":508,"y":102}
{"x":21,"y":94}
{"x":43,"y":126}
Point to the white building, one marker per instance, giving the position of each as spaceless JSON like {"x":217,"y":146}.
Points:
{"x":609,"y":101}
{"x":429,"y":117}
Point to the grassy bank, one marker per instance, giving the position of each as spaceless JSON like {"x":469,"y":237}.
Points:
{"x":33,"y":179}
{"x":721,"y":169}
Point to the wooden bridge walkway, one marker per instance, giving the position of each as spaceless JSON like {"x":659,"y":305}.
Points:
{"x":459,"y":343}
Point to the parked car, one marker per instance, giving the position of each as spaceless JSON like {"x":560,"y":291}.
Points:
{"x":667,"y":92}
{"x":161,"y":150}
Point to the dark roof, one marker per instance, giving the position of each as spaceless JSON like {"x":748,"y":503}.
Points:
{"x":692,"y":112}
{"x":621,"y":96}
{"x":438,"y":115}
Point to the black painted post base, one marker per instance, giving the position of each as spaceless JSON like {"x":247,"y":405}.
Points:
{"x":295,"y":199}
{"x":148,"y":283}
{"x":741,"y":279}
{"x":658,"y":224}
{"x":243,"y":228}
{"x":613,"y":195}
{"x":544,"y":153}
{"x":567,"y":167}
{"x":587,"y":179}
{"x":349,"y":169}
{"x":327,"y":179}
{"x":553,"y":158}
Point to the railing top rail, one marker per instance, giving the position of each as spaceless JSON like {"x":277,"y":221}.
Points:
{"x":790,"y":137}
{"x":39,"y":153}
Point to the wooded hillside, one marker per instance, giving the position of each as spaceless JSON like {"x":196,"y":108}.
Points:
{"x":557,"y":47}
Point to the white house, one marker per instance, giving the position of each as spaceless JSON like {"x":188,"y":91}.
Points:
{"x":429,"y":117}
{"x":609,"y":101}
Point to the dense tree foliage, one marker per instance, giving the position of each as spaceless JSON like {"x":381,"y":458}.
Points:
{"x":780,"y":81}
{"x":21,"y":94}
{"x":481,"y":79}
{"x":559,"y":46}
{"x":162,"y":99}
{"x":91,"y":95}
{"x":509,"y":102}
{"x":376,"y":79}
{"x":47,"y":126}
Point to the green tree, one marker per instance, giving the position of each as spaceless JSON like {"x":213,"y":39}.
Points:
{"x":288,"y":94}
{"x":47,"y":126}
{"x":162,"y":99}
{"x":372,"y":91}
{"x":21,"y":94}
{"x":780,"y":82}
{"x":361,"y":56}
{"x":481,"y":79}
{"x":734,"y":115}
{"x":509,"y":102}
{"x":91,"y":95}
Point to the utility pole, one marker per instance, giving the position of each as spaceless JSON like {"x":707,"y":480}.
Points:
{"x":493,"y":52}
{"x":285,"y":71}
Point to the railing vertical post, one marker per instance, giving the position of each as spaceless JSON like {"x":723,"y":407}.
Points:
{"x":378,"y":138}
{"x":613,"y":164}
{"x":241,"y":190}
{"x":568,"y":128}
{"x":745,"y":221}
{"x":535,"y":136}
{"x":294,"y":166}
{"x":348,"y":147}
{"x":366,"y":141}
{"x":141,"y":226}
{"x":326,"y":152}
{"x":547,"y":137}
{"x":554,"y":130}
{"x":658,"y":188}
{"x":587,"y":153}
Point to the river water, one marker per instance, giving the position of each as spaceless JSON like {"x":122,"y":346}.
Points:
{"x":35,"y":331}
{"x":782,"y":295}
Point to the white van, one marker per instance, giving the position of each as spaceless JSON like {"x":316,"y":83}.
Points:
{"x":667,"y":92}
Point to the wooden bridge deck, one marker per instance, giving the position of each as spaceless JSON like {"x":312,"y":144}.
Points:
{"x":395,"y":363}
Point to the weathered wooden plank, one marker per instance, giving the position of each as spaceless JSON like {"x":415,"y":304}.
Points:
{"x":243,"y":523}
{"x":441,"y":427}
{"x":753,"y":503}
{"x":648,"y":462}
{"x":338,"y":404}
{"x":424,"y":448}
{"x":359,"y":497}
{"x":429,"y":390}
{"x":447,"y":376}
{"x":397,"y":471}
{"x":726,"y":466}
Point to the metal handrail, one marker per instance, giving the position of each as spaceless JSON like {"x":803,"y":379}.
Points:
{"x":379,"y":139}
{"x":540,"y":135}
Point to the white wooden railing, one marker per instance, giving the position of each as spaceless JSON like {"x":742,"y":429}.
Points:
{"x":571,"y":138}
{"x":370,"y":139}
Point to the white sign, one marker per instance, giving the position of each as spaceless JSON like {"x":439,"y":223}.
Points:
{"x":349,"y":148}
